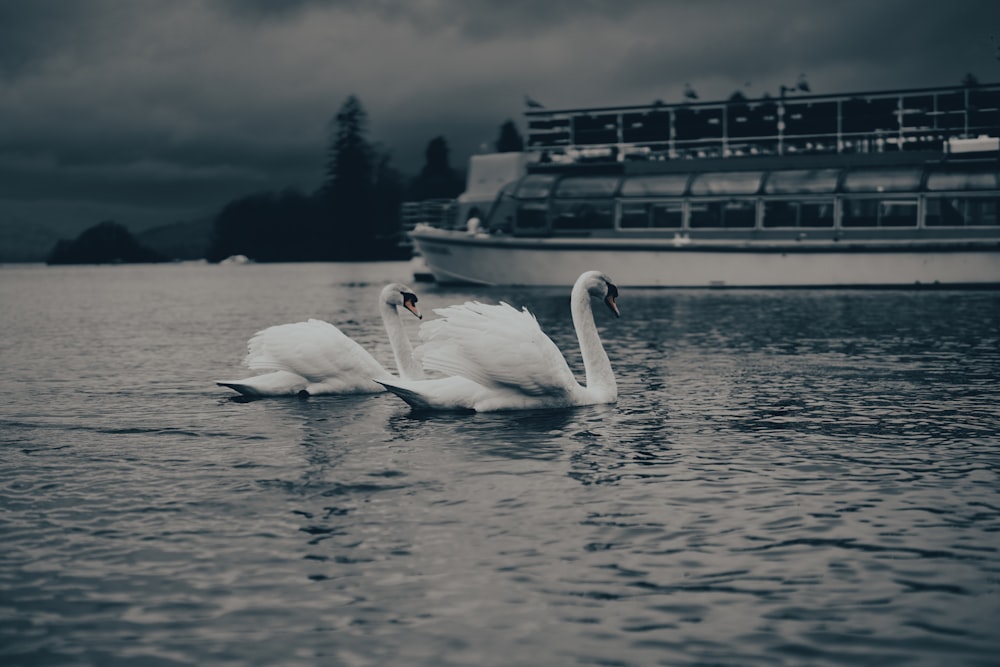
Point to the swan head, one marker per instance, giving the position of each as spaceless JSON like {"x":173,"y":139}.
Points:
{"x":398,"y":294}
{"x":600,"y":286}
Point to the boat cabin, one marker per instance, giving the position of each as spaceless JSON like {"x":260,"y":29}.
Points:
{"x":782,"y":199}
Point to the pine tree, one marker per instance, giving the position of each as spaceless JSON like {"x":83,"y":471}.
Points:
{"x":970,"y":80}
{"x":349,"y":190}
{"x":437,"y":180}
{"x":509,"y":140}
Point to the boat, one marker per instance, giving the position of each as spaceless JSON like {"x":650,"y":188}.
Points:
{"x":878,"y":189}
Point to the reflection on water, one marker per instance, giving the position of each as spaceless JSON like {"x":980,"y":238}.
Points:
{"x":789,"y":477}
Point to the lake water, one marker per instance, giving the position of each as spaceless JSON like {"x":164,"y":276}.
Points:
{"x":788,"y":478}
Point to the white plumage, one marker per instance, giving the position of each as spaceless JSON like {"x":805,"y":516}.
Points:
{"x":495,"y":346}
{"x":316,"y":357}
{"x":500,"y":359}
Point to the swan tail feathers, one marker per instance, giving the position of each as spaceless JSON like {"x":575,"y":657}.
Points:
{"x":278,"y":383}
{"x":449,"y":394}
{"x":242,"y":388}
{"x":413,"y":398}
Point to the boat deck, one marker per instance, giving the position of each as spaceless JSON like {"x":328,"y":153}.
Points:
{"x":871,"y":122}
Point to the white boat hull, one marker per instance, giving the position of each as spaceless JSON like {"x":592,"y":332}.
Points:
{"x":454,"y":257}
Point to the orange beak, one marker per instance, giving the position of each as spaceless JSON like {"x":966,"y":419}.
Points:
{"x":411,"y":306}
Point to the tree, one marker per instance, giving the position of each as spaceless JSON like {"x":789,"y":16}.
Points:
{"x":437,"y":180}
{"x":353,"y":215}
{"x":270,"y":227}
{"x":509,"y":140}
{"x":349,"y":190}
{"x":970,"y":80}
{"x":244,"y":227}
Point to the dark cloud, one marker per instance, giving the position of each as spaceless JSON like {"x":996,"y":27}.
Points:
{"x":160,"y":106}
{"x":268,"y":9}
{"x":30,"y":30}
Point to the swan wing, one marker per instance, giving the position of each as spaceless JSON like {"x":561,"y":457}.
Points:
{"x":316,"y":350}
{"x":498,"y":347}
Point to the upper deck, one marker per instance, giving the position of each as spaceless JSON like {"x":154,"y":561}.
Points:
{"x":924,"y":120}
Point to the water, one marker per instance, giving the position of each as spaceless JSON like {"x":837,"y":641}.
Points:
{"x":788,"y":478}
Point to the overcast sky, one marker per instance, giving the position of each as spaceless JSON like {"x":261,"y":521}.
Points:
{"x":161,"y":110}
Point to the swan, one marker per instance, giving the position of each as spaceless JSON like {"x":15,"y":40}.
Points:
{"x":315,"y":357}
{"x":498,"y":358}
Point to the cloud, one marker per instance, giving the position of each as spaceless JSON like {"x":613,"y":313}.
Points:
{"x":152,"y":103}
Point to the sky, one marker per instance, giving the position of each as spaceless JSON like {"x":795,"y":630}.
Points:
{"x":155,"y":111}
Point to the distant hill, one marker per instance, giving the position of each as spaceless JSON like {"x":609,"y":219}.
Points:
{"x":107,"y":242}
{"x":181,"y":240}
{"x":23,"y":241}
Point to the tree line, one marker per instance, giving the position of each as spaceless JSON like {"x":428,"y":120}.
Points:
{"x":355,"y":214}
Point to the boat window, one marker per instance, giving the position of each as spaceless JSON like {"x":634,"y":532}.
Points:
{"x":859,"y":213}
{"x":702,"y":215}
{"x":535,"y":186}
{"x":532,"y":218}
{"x":667,"y":216}
{"x":879,"y":213}
{"x":897,"y":213}
{"x":804,"y":181}
{"x":810,"y":118}
{"x":656,"y":215}
{"x":963,"y":180}
{"x":703,"y":123}
{"x":659,"y":185}
{"x":883,"y":180}
{"x":583,"y":214}
{"x":645,"y":126}
{"x":595,"y":129}
{"x":733,"y":214}
{"x":798,"y":213}
{"x":587,"y":186}
{"x":727,"y":183}
{"x":870,"y":114}
{"x":962,"y":211}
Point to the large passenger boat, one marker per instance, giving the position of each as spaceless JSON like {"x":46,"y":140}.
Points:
{"x":897,"y":188}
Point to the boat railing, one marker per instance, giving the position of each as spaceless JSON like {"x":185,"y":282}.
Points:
{"x":909,"y":120}
{"x":434,"y":212}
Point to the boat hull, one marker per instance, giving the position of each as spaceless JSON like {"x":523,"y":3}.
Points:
{"x":456,"y":257}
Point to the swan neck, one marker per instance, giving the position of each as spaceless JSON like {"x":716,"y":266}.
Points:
{"x":406,"y":365}
{"x":595,"y":360}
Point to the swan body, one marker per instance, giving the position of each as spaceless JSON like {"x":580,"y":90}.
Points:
{"x":498,"y":358}
{"x":315,"y":357}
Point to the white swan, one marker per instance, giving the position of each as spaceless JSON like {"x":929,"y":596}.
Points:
{"x":316,"y":357}
{"x":501,"y":360}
